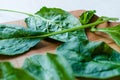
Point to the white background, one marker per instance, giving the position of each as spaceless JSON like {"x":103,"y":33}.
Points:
{"x":110,"y":8}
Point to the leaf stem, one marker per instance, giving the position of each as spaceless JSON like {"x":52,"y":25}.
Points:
{"x":29,"y":14}
{"x":68,"y":30}
{"x":17,"y":12}
{"x":73,"y":29}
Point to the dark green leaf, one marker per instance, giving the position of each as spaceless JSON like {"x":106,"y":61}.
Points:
{"x":8,"y":31}
{"x":8,"y":72}
{"x":86,"y":16}
{"x":53,"y":20}
{"x":49,"y":67}
{"x":113,"y":32}
{"x":91,"y":59}
{"x":18,"y":42}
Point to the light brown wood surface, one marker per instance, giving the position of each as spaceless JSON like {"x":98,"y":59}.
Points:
{"x":50,"y":45}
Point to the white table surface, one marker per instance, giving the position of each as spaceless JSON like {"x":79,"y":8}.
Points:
{"x":110,"y":8}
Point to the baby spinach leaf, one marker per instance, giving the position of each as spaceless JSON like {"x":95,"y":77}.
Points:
{"x":16,"y":45}
{"x":91,"y":59}
{"x":113,"y":32}
{"x":18,"y":42}
{"x":8,"y":72}
{"x":49,"y":67}
{"x":53,"y":20}
{"x":86,"y":17}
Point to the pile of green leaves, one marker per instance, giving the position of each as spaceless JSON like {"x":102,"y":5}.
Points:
{"x":20,"y":39}
{"x":47,"y":22}
{"x":87,"y":59}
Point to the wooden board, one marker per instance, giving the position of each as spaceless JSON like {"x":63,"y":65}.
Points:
{"x":50,"y":45}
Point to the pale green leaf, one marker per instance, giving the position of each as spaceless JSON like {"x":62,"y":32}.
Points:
{"x":113,"y":32}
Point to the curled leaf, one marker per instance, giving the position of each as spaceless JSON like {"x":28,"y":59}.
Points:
{"x":86,"y":16}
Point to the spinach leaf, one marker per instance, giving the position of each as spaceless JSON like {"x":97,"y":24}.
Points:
{"x":53,"y":20}
{"x":113,"y":32}
{"x":19,"y":41}
{"x":16,"y":45}
{"x":86,"y":16}
{"x":91,"y":59}
{"x":49,"y":67}
{"x":8,"y":72}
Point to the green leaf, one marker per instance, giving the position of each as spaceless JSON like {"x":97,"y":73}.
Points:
{"x":8,"y":31}
{"x":91,"y":59}
{"x":86,"y":16}
{"x":15,"y":39}
{"x":113,"y":32}
{"x":16,"y":46}
{"x":49,"y":67}
{"x":53,"y":20}
{"x":8,"y":72}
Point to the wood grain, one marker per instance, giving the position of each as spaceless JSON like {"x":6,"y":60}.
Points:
{"x":49,"y":45}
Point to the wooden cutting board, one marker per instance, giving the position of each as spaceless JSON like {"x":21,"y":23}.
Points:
{"x":50,"y":45}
